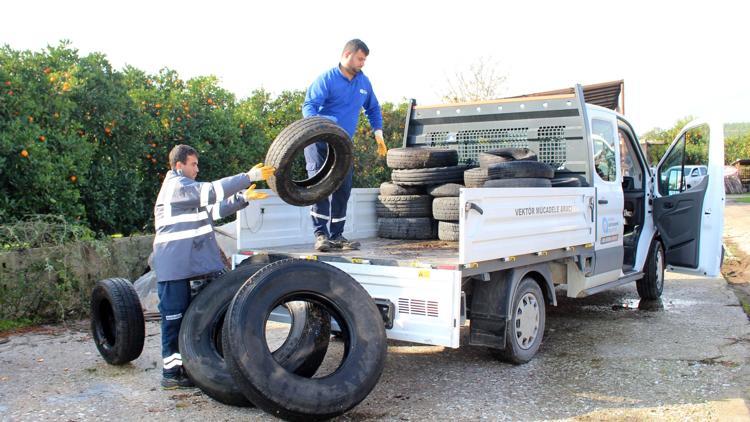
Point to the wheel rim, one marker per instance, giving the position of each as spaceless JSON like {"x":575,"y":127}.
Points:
{"x":526,"y":321}
{"x":659,"y":268}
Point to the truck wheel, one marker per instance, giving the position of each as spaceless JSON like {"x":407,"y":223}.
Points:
{"x":391,"y":189}
{"x":429,"y":176}
{"x":274,"y":388}
{"x":522,"y":182}
{"x":502,"y":155}
{"x":448,"y":189}
{"x":200,"y":337}
{"x":117,"y":324}
{"x":517,"y":169}
{"x":404,"y":206}
{"x":445,"y":209}
{"x":291,"y":142}
{"x":525,"y":330}
{"x":419,"y":158}
{"x":651,"y":285}
{"x":448,"y":231}
{"x":475,"y":178}
{"x":409,"y":228}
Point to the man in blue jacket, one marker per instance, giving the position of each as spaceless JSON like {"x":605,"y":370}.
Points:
{"x":185,"y":245}
{"x":339,"y":94}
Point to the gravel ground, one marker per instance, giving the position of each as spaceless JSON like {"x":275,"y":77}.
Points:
{"x":603,"y":357}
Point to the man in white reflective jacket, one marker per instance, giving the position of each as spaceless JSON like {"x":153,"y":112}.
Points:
{"x":185,"y":245}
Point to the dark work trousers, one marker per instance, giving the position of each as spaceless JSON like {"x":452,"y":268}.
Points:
{"x":333,"y":209}
{"x":174,"y":298}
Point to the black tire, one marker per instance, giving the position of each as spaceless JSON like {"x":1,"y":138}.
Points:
{"x":404,"y":206}
{"x":419,"y":158}
{"x":566,"y":174}
{"x":448,"y":189}
{"x":391,"y":189}
{"x":201,"y":346}
{"x":272,"y":387}
{"x":448,"y":230}
{"x":502,"y":155}
{"x":430,"y":176}
{"x":651,"y":286}
{"x":264,"y":258}
{"x":291,"y":142}
{"x":445,"y":209}
{"x":421,"y":228}
{"x":523,"y":182}
{"x":117,"y":323}
{"x":522,"y":344}
{"x":518,"y":169}
{"x":566,"y":182}
{"x":475,"y":178}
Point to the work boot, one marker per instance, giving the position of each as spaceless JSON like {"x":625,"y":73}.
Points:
{"x":322,"y":244}
{"x":340,"y":242}
{"x":178,"y":380}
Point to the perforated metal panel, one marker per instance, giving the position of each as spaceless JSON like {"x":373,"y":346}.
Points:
{"x":470,"y":143}
{"x":552,"y":148}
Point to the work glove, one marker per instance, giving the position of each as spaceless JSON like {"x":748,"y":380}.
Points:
{"x":260,"y":172}
{"x":382,"y":149}
{"x":252,"y":195}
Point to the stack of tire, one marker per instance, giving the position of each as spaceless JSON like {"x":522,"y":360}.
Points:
{"x":404,"y":208}
{"x":445,"y":209}
{"x":509,"y":168}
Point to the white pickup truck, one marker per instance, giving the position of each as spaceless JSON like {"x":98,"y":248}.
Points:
{"x":516,"y":245}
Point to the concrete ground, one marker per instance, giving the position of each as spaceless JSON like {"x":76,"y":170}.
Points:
{"x":606,"y":357}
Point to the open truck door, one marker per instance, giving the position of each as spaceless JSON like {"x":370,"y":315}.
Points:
{"x":690,"y":216}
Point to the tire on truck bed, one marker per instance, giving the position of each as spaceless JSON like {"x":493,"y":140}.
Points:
{"x":117,"y":323}
{"x":445,"y":190}
{"x":430,"y":176}
{"x":518,"y":169}
{"x":291,"y":142}
{"x":272,"y":387}
{"x":391,"y":189}
{"x":403,"y":206}
{"x":448,"y":230}
{"x":502,"y":155}
{"x":419,"y":158}
{"x":445,"y":209}
{"x":409,"y":228}
{"x":521,"y":182}
{"x":200,"y":337}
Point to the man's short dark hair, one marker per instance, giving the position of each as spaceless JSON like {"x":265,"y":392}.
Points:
{"x":180,"y":154}
{"x":352,"y":46}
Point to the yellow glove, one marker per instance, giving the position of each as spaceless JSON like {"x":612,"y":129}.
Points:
{"x":252,"y":195}
{"x":382,"y":149}
{"x":260,"y":172}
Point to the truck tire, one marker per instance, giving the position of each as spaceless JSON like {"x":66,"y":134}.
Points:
{"x":567,"y":174}
{"x":421,"y":228}
{"x":525,"y":329}
{"x":274,"y":388}
{"x":391,"y":189}
{"x":419,"y":158}
{"x":117,"y":323}
{"x":429,"y":176}
{"x":519,"y":169}
{"x":445,"y":209}
{"x":448,"y":189}
{"x":200,"y":337}
{"x":522,"y":182}
{"x":566,"y":182}
{"x":291,"y":142}
{"x":448,"y":230}
{"x":475,"y":178}
{"x":651,"y":286}
{"x":502,"y":155}
{"x":404,"y":206}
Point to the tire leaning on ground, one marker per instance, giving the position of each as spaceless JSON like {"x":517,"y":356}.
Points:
{"x":448,"y":230}
{"x":429,"y":176}
{"x":419,"y":158}
{"x":521,"y":182}
{"x":272,"y":387}
{"x":200,"y":337}
{"x":117,"y":323}
{"x":524,"y":333}
{"x":445,"y":209}
{"x":502,"y":155}
{"x":403,"y":206}
{"x":651,"y":286}
{"x":518,"y":169}
{"x":291,"y":142}
{"x":409,"y":228}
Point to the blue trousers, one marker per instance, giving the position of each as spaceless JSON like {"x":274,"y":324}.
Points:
{"x":329,"y":211}
{"x":174,"y":298}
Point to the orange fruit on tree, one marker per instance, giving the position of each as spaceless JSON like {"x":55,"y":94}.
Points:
{"x":210,"y":101}
{"x":47,"y":70}
{"x":42,"y":138}
{"x":24,"y":153}
{"x":31,"y":119}
{"x":73,"y":178}
{"x":107,"y":130}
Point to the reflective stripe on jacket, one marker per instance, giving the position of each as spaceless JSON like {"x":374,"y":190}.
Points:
{"x":185,"y":245}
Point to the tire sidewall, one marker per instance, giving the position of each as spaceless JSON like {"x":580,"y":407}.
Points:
{"x":514,"y":352}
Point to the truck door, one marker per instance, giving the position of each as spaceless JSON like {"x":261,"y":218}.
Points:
{"x":690,"y":217}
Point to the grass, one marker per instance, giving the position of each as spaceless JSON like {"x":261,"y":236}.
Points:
{"x":15,"y":324}
{"x":743,"y":199}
